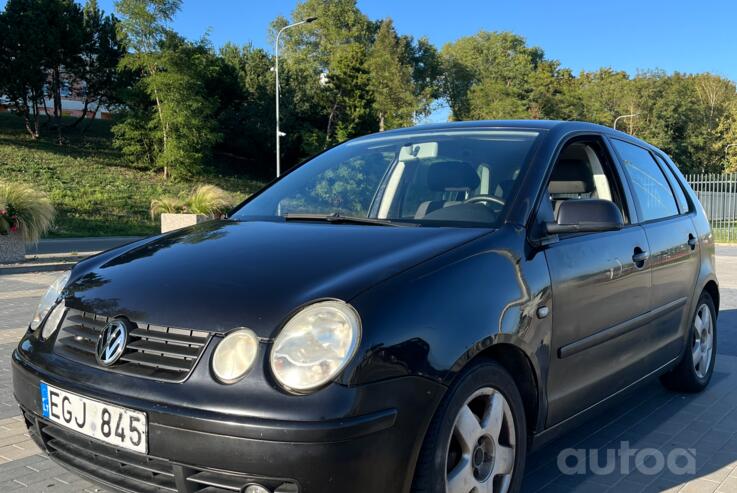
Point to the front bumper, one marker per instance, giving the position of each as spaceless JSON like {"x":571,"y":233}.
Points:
{"x":368,"y":451}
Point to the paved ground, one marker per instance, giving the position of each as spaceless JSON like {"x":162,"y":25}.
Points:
{"x":22,"y":467}
{"x":703,"y":425}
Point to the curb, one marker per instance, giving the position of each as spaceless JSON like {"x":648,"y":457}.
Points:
{"x":30,"y":269}
{"x":44,"y":263}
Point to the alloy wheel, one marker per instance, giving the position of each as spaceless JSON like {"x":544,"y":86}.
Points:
{"x":482,"y":448}
{"x":703,"y":340}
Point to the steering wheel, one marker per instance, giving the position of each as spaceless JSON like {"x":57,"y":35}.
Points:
{"x":485,"y":198}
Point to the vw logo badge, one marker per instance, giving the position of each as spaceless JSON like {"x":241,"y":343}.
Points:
{"x":112,"y":342}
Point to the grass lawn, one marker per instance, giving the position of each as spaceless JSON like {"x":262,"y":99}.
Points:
{"x":724,"y":232}
{"x":95,"y":191}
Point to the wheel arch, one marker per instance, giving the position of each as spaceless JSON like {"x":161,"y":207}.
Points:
{"x":520,"y":367}
{"x":712,"y":288}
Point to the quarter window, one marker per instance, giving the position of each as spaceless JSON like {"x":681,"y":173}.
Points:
{"x":651,"y":188}
{"x":675,"y":185}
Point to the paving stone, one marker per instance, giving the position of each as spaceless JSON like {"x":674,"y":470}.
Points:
{"x":699,"y":486}
{"x":728,"y":485}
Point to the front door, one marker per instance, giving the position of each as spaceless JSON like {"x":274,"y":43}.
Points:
{"x":601,"y":284}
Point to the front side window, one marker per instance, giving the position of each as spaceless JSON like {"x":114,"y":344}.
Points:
{"x":583,"y":171}
{"x":651,"y":189}
{"x":432,"y":178}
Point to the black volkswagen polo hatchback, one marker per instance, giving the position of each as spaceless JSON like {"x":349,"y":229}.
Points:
{"x":408,"y":311}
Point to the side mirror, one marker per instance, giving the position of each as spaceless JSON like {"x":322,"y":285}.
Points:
{"x":586,"y":216}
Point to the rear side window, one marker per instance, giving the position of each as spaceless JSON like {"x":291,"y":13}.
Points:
{"x":675,"y":185}
{"x":651,"y":189}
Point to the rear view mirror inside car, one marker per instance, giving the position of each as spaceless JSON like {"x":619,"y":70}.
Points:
{"x":423,"y":150}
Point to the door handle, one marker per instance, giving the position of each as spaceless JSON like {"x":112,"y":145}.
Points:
{"x":692,"y":241}
{"x":640,"y":257}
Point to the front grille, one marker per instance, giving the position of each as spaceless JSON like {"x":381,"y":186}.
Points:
{"x":139,"y":472}
{"x":153,"y":351}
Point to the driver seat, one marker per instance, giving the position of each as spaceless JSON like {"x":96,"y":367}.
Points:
{"x":447,"y":176}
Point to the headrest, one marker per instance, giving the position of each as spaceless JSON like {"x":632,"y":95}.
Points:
{"x":452,"y":176}
{"x":571,"y":176}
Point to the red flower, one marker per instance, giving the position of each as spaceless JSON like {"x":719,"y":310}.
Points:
{"x":14,"y":228}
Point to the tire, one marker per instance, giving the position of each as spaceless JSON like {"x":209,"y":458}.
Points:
{"x":475,"y":396}
{"x":687,"y":376}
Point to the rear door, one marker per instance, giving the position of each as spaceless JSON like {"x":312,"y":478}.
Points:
{"x":665,"y":215}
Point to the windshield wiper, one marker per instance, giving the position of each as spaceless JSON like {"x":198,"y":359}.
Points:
{"x":337,"y":218}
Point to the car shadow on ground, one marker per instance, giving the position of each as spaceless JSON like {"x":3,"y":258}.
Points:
{"x":671,"y":438}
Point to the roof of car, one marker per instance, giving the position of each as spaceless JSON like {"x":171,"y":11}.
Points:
{"x":539,"y":124}
{"x":559,"y":125}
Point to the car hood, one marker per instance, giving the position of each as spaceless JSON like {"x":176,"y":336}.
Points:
{"x":225,"y":274}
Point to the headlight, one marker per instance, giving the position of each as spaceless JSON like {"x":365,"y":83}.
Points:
{"x":49,"y":299}
{"x":52,"y":323}
{"x":315,"y":345}
{"x":235,"y":355}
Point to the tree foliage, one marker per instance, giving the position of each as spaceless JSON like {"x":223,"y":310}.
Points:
{"x":50,"y":47}
{"x":101,"y":52}
{"x":185,"y":108}
{"x":22,"y":47}
{"x":391,"y":79}
{"x":182,"y":124}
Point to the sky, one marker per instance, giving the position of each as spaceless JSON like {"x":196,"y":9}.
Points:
{"x":673,"y":35}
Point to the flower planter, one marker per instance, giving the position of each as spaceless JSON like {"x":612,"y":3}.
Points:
{"x":12,"y":248}
{"x":170,"y":222}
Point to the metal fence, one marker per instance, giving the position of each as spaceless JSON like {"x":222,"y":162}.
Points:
{"x":718,"y":195}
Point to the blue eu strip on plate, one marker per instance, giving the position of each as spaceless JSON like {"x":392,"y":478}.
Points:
{"x":45,"y":400}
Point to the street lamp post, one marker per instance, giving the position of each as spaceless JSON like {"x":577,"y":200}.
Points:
{"x":623,"y":116}
{"x":279,"y":133}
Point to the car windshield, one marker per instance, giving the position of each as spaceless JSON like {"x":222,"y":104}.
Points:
{"x":430,"y":178}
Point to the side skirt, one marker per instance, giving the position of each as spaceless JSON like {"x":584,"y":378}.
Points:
{"x":547,"y":435}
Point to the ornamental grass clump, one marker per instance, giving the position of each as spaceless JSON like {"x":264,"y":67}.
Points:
{"x":210,"y":200}
{"x":207,"y":200}
{"x":25,"y":211}
{"x":166,"y":205}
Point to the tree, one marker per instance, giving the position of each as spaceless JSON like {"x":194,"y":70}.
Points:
{"x":143,"y":28}
{"x":247,"y":115}
{"x":185,"y":105}
{"x":728,"y":128}
{"x":348,"y":86}
{"x":390,"y":79}
{"x":64,"y":37}
{"x":22,"y":54}
{"x":602,"y":95}
{"x":496,"y":75}
{"x":324,"y":75}
{"x":177,"y":93}
{"x":426,"y":72}
{"x":100,"y":56}
{"x":554,"y":93}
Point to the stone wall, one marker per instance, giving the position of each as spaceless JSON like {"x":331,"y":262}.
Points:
{"x":170,"y":222}
{"x":12,"y":248}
